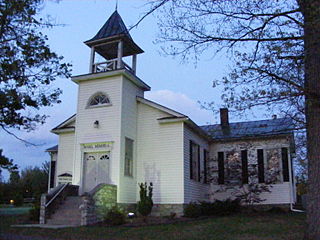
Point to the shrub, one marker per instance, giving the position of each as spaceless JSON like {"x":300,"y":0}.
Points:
{"x":34,"y":212}
{"x":227,"y":206}
{"x":277,"y":210}
{"x":18,"y":199}
{"x":192,"y":210}
{"x":216,"y":208}
{"x":115,"y":216}
{"x":171,"y":216}
{"x":208,"y":208}
{"x":145,"y":204}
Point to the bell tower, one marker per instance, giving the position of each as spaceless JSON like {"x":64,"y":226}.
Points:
{"x":113,"y":42}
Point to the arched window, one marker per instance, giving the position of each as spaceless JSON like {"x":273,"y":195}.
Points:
{"x":105,"y":157}
{"x":99,"y":99}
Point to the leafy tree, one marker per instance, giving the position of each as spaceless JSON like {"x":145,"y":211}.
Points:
{"x":276,"y":52}
{"x":14,"y":178}
{"x":28,"y":66}
{"x":45,"y":167}
{"x":15,"y":188}
{"x":34,"y":181}
{"x":6,"y":164}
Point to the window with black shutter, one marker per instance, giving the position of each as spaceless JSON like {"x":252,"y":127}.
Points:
{"x":244,"y":163}
{"x":260,"y":165}
{"x":220,"y":167}
{"x":194,"y":161}
{"x":128,"y":158}
{"x":52,"y":173}
{"x":285,"y":164}
{"x":205,"y":170}
{"x":191,"y":160}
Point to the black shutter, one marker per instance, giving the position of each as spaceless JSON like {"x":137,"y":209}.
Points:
{"x":199,"y":173}
{"x":285,"y":164}
{"x":260,"y":166}
{"x":190,"y":149}
{"x":221,"y":167}
{"x":244,"y":161}
{"x":52,"y":173}
{"x":205,"y":155}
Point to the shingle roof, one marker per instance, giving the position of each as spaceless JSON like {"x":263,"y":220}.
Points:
{"x":114,"y":26}
{"x":263,"y":128}
{"x":113,"y":29}
{"x":52,"y":149}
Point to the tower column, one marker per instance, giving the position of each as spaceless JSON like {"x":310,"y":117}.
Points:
{"x":120,"y":54}
{"x":91,"y":63}
{"x":134,"y":63}
{"x":113,"y":43}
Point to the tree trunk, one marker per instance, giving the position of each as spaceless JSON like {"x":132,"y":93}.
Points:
{"x":311,"y":12}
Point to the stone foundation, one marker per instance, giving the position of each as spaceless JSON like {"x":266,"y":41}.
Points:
{"x":42,"y":216}
{"x":127,"y":207}
{"x":161,"y":210}
{"x":88,"y":211}
{"x":90,"y":214}
{"x":96,"y":203}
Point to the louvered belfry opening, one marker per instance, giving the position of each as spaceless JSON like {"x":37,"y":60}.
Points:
{"x":113,"y":42}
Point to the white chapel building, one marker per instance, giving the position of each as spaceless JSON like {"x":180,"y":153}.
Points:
{"x":118,"y":137}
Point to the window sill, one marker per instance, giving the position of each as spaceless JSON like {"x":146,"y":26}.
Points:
{"x":199,"y":182}
{"x":99,"y":106}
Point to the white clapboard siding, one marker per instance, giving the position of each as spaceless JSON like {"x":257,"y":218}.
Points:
{"x":128,"y":185}
{"x":194,"y":190}
{"x":109,"y":118}
{"x":160,"y":155}
{"x":64,"y":162}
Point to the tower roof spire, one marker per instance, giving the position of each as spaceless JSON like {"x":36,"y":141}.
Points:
{"x":114,"y":29}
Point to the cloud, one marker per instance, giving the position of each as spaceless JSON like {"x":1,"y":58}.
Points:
{"x":181,"y":103}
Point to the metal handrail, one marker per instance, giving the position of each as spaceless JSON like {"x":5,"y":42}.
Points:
{"x":57,"y":194}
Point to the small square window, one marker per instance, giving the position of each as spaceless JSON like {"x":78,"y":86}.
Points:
{"x":128,"y":159}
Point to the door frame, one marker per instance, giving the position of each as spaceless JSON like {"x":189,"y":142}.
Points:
{"x":92,"y":148}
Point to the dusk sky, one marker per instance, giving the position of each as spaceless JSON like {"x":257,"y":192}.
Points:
{"x":174,"y":84}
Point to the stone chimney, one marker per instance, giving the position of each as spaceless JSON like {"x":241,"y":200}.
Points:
{"x":224,"y":117}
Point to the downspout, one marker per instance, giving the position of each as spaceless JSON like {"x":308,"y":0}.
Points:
{"x":291,"y":185}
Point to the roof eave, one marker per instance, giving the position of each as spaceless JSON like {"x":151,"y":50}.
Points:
{"x":236,"y":139}
{"x":198,"y":129}
{"x":63,"y":130}
{"x":160,"y":107}
{"x":172,"y":120}
{"x":65,"y":122}
{"x":90,"y":76}
{"x":91,"y":43}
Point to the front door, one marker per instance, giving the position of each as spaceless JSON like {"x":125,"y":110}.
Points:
{"x":96,"y":169}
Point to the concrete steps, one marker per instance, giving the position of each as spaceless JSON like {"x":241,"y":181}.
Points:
{"x":68,"y":213}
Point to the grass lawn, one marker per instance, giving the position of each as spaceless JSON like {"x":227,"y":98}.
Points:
{"x":14,"y":210}
{"x":263,"y":227}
